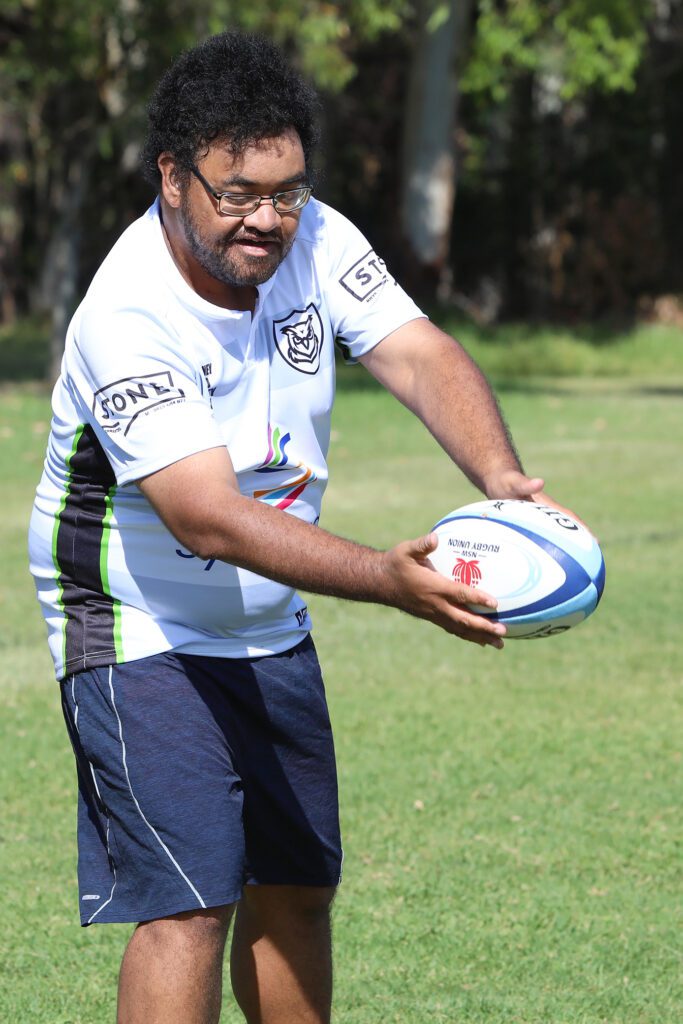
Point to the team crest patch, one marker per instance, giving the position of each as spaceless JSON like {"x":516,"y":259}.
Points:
{"x":299,"y":338}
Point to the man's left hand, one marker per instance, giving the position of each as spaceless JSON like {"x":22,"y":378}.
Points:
{"x":513,"y":484}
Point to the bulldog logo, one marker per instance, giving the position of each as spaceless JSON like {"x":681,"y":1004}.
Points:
{"x":299,"y":338}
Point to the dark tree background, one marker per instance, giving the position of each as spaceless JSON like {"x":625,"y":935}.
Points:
{"x":516,"y":158}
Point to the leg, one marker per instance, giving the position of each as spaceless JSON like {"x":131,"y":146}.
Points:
{"x":281,"y":958}
{"x":172,"y":969}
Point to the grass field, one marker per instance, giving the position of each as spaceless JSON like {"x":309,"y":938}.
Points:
{"x":511,"y":819}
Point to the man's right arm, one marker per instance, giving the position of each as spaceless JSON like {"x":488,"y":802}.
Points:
{"x":199,"y":501}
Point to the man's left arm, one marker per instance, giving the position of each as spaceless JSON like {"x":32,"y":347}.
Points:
{"x":433,"y":376}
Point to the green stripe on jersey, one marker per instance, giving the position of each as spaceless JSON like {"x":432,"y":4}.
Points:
{"x":104,"y":570}
{"x":55,"y":533}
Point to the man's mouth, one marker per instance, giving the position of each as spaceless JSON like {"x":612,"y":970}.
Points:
{"x":258,"y":246}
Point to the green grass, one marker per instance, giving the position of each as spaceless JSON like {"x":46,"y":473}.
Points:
{"x":511,"y":819}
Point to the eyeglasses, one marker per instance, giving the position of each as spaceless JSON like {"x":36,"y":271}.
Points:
{"x":242,"y":204}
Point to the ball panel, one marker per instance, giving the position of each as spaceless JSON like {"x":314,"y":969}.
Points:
{"x":499,"y":559}
{"x":527,"y":573}
{"x":575,"y":582}
{"x":600,"y":579}
{"x":546,"y":571}
{"x":540,"y":630}
{"x":543,"y":521}
{"x":585,"y":602}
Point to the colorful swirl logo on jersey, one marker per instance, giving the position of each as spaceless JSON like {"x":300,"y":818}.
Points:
{"x":282,"y":495}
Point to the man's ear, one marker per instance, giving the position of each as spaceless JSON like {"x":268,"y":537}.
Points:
{"x":170,"y":180}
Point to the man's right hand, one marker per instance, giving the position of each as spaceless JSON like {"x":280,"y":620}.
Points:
{"x":421,"y":590}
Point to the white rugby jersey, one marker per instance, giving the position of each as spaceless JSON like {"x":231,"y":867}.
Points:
{"x":153,"y":373}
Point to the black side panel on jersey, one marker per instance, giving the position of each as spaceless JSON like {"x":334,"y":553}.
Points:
{"x":89,"y":610}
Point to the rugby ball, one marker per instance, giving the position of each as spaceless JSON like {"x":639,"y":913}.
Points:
{"x":545,"y":569}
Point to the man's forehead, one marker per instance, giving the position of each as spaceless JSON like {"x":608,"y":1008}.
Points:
{"x":260,"y":156}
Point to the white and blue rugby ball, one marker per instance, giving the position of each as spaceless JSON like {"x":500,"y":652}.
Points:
{"x":545,"y":569}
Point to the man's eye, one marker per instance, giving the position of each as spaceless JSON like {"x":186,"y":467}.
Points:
{"x":238,"y":198}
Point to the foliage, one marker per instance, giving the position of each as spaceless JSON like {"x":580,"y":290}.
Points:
{"x":570,"y":146}
{"x":24,"y":349}
{"x":567,"y":197}
{"x":75,"y":79}
{"x":323,"y":34}
{"x":578,"y":45}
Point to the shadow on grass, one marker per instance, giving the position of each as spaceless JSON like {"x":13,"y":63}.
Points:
{"x":603,"y":333}
{"x":572,"y":386}
{"x":662,"y":390}
{"x":355,"y":379}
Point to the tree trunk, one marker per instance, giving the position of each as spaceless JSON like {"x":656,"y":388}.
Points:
{"x":429,"y":160}
{"x":62,"y":260}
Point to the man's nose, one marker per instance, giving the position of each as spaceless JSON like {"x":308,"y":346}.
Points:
{"x":265,"y":217}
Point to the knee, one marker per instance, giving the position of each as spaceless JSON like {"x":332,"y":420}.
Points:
{"x":191,"y":929}
{"x":306,"y":905}
{"x":311,"y":903}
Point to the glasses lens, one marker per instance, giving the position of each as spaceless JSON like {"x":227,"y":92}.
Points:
{"x":291,"y":200}
{"x":237,"y":204}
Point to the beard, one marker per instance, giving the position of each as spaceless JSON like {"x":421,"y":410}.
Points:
{"x":226,"y":261}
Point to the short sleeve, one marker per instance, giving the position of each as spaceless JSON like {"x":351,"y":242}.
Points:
{"x":140,"y":392}
{"x":365,"y":302}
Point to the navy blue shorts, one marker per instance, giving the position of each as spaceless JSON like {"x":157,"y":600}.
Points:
{"x":198,"y":776}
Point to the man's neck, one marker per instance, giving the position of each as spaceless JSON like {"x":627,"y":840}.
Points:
{"x":218,"y":293}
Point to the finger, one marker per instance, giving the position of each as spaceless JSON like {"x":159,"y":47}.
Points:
{"x":541,"y":498}
{"x":545,"y":499}
{"x":478,"y":624}
{"x":512,"y":483}
{"x":464,"y":595}
{"x":475,"y":636}
{"x":462,"y":619}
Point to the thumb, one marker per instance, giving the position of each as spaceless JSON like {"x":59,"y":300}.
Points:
{"x":423,"y":546}
{"x":528,"y":486}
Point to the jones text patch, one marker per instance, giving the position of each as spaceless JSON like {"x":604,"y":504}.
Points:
{"x":127,"y":398}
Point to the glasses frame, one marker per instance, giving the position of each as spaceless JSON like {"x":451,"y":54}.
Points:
{"x":306,"y":191}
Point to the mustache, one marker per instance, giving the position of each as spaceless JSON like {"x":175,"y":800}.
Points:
{"x":256,"y":236}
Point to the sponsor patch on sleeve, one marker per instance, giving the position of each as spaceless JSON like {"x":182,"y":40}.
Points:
{"x":123,"y":401}
{"x":366,"y":277}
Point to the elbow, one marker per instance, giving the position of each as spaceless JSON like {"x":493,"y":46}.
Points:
{"x":205,"y":527}
{"x":207,"y":545}
{"x":203,"y":549}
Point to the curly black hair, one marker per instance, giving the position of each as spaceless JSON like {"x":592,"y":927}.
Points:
{"x":234,"y":87}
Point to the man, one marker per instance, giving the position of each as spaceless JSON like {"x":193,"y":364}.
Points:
{"x":177,"y":514}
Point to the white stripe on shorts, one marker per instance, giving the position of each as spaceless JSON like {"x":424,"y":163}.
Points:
{"x":97,"y":790}
{"x":154,"y":832}
{"x":113,"y":867}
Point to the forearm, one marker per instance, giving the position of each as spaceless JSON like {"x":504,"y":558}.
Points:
{"x":273,"y":543}
{"x":198,"y":500}
{"x":456,"y":404}
{"x":433,"y":376}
